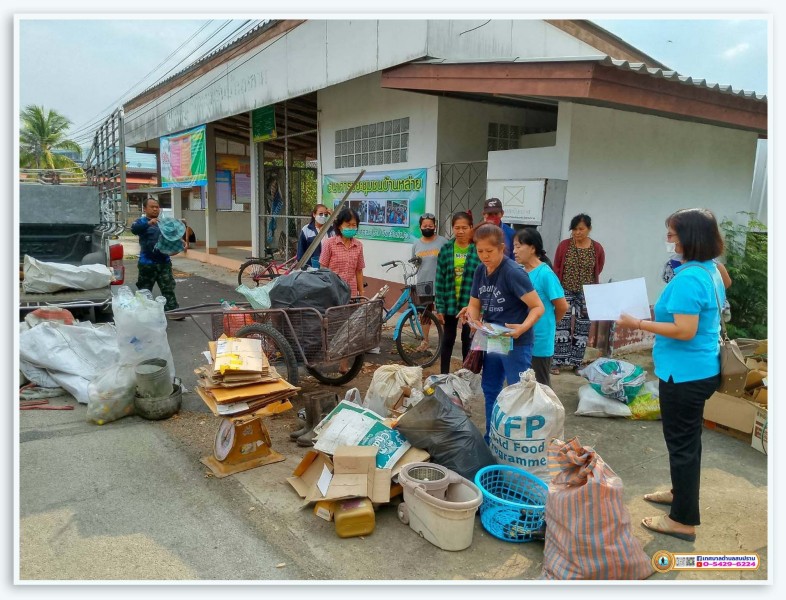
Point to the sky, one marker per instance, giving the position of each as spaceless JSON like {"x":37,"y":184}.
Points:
{"x":117,"y":58}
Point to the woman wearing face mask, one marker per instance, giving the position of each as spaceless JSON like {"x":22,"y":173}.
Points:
{"x":502,"y":294}
{"x":687,"y":362}
{"x":319,"y":216}
{"x":578,"y":261}
{"x":456,"y":265}
{"x":528,"y":248}
{"x":343,"y":254}
{"x":427,"y":248}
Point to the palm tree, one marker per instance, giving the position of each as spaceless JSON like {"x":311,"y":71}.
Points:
{"x":41,"y":132}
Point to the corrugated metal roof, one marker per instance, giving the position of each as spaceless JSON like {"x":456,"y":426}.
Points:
{"x":623,"y":65}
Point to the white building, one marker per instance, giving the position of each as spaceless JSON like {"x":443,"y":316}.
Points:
{"x":560,"y":117}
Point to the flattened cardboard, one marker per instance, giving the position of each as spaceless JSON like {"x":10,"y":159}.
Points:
{"x":733,"y":412}
{"x":256,"y":390}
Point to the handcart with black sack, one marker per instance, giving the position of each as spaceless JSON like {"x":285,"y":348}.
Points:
{"x":304,"y":327}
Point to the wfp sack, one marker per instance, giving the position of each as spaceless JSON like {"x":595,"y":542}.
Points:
{"x":525,"y":418}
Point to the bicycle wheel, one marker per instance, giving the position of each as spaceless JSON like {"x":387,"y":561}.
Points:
{"x":420,"y":350}
{"x":329,"y":374}
{"x":276,"y":347}
{"x":255,"y":272}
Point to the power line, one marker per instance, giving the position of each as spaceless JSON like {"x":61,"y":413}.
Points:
{"x":208,"y":84}
{"x":233,"y":33}
{"x":91,"y":124}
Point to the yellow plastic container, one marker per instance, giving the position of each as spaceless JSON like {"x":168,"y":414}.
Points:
{"x":354,"y":517}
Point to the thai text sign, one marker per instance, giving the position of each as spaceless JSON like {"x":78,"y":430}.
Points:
{"x":389,"y":203}
{"x":183,"y":159}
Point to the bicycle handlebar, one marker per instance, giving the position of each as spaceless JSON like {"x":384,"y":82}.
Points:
{"x":386,"y":264}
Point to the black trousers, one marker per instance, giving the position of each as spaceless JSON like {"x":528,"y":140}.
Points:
{"x":542,"y":367}
{"x":449,"y":340}
{"x":682,"y":413}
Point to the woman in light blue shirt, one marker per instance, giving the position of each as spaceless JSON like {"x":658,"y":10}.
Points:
{"x":528,"y":249}
{"x":687,"y":361}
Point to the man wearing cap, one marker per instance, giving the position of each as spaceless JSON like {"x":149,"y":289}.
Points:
{"x":493,"y":213}
{"x":154,"y":266}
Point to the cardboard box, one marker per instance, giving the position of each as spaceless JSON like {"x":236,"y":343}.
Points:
{"x":730,"y":411}
{"x":760,"y":395}
{"x":325,"y":509}
{"x":760,"y":430}
{"x":241,"y":355}
{"x":755,"y":378}
{"x":351,"y":474}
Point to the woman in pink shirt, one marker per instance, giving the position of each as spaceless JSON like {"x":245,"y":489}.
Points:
{"x":343,"y":254}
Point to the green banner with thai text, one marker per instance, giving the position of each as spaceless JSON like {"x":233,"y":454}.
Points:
{"x":389,"y":203}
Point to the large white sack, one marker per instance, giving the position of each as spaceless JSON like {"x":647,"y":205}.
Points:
{"x":71,"y":354}
{"x":141,"y":328}
{"x":387,"y":384}
{"x":526,"y":417}
{"x":593,"y":404}
{"x":45,"y":277}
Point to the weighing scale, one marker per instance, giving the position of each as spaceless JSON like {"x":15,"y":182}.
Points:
{"x":241,"y":443}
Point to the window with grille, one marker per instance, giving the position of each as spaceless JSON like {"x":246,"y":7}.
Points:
{"x":503,"y":137}
{"x":382,"y":143}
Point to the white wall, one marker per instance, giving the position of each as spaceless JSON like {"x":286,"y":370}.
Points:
{"x":463,"y":128}
{"x":629,"y":171}
{"x":360,"y":102}
{"x":550,"y":162}
{"x":232,"y":225}
{"x":502,"y":38}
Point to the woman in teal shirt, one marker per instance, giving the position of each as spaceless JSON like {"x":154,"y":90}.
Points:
{"x":687,"y":361}
{"x":528,"y":249}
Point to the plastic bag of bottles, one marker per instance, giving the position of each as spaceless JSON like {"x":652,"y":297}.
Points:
{"x":141,"y":327}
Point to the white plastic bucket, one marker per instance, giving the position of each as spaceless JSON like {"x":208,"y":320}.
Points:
{"x":447,"y":523}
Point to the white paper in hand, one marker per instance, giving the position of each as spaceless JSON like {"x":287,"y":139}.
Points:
{"x":607,"y":301}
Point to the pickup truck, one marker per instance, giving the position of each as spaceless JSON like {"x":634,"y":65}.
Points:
{"x":62,"y":223}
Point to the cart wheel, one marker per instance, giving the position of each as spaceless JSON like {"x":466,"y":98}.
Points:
{"x":412,"y":347}
{"x":330,"y":375}
{"x":275,"y":347}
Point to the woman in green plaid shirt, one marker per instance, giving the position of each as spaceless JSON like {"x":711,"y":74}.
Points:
{"x":456,"y":266}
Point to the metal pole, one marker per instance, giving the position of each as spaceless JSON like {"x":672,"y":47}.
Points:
{"x":324,"y":229}
{"x":286,"y":183}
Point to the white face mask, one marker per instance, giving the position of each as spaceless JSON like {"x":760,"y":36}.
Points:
{"x":671,"y":247}
{"x":321,"y":219}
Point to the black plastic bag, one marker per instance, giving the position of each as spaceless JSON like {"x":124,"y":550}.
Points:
{"x":446,"y":432}
{"x":320,"y":289}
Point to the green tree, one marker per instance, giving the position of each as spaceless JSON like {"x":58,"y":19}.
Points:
{"x":746,"y":262}
{"x":41,"y":132}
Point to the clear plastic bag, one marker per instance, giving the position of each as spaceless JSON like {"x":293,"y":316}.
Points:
{"x":387,"y":385}
{"x":111,"y":394}
{"x":141,"y":328}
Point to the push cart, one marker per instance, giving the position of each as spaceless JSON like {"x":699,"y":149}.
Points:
{"x":330,"y":346}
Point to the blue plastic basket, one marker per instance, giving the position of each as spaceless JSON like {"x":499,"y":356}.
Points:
{"x":514,"y":503}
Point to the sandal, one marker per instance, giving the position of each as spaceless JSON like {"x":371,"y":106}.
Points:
{"x":660,"y":525}
{"x":423,"y":346}
{"x":554,"y":371}
{"x":662,"y":497}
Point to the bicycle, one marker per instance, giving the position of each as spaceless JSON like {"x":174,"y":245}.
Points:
{"x":414,"y":345}
{"x":259,"y":271}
